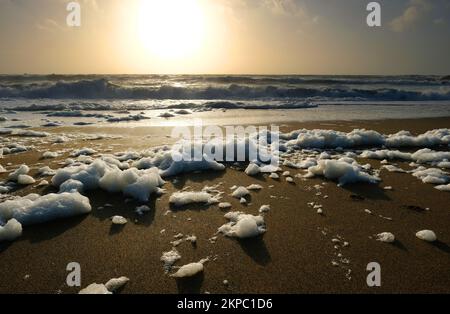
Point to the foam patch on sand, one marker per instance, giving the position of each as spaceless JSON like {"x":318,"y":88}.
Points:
{"x":392,"y":168}
{"x":170,"y":166}
{"x":225,"y":205}
{"x":426,"y":235}
{"x":342,"y":171}
{"x":332,"y":139}
{"x":362,"y":138}
{"x":243,"y":225}
{"x":22,"y":170}
{"x":14,"y":148}
{"x":185,"y":198}
{"x":445,"y":188}
{"x":119,"y":220}
{"x":108,"y":288}
{"x":429,"y":139}
{"x":386,"y":154}
{"x":35,"y":209}
{"x":387,"y":237}
{"x":252,"y":170}
{"x":29,"y":133}
{"x":139,"y":184}
{"x":48,"y":155}
{"x":46,"y":171}
{"x":83,"y":151}
{"x":431,"y":175}
{"x":11,"y":230}
{"x":240,"y":192}
{"x":190,"y":270}
{"x":24,"y":179}
{"x":170,"y":258}
{"x":71,"y":185}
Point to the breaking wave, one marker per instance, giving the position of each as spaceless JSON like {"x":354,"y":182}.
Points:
{"x":101,"y":88}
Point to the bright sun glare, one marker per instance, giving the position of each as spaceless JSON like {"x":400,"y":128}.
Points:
{"x":171,"y":28}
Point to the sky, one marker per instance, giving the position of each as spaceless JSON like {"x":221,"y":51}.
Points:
{"x":225,"y":37}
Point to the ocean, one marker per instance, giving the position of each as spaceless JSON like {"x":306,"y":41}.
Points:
{"x":304,"y":97}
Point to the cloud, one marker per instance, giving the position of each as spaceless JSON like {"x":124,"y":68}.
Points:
{"x":415,"y":12}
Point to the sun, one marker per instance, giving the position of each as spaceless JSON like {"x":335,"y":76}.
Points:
{"x":171,"y":29}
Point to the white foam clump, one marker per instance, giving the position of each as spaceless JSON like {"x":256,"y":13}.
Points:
{"x":119,"y":220}
{"x":443,"y":164}
{"x":332,"y":139}
{"x":13,"y":149}
{"x":224,"y":205}
{"x":43,"y":183}
{"x":252,"y":169}
{"x":108,"y":288}
{"x":60,"y":139}
{"x":426,"y":235}
{"x":169,"y":258}
{"x":360,"y":137}
{"x":11,"y":230}
{"x":254,"y":187}
{"x":95,"y":288}
{"x":385,"y":154}
{"x":172,"y":162}
{"x":427,"y":155}
{"x":35,"y":209}
{"x":49,"y":155}
{"x":428,"y":139}
{"x":341,"y":171}
{"x":264,"y":209}
{"x":24,"y":179}
{"x":431,"y":175}
{"x":23,"y":169}
{"x":189,"y":270}
{"x":392,"y":168}
{"x":139,"y":184}
{"x":444,"y":188}
{"x":83,"y":151}
{"x":274,"y":176}
{"x":421,"y":156}
{"x":192,"y":239}
{"x":46,"y":171}
{"x":387,"y":237}
{"x":71,"y":185}
{"x":115,"y":284}
{"x":185,"y":198}
{"x":144,"y":186}
{"x":30,"y":133}
{"x":240,"y":192}
{"x":243,"y":225}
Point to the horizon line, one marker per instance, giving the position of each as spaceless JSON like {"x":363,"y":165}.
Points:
{"x":215,"y":74}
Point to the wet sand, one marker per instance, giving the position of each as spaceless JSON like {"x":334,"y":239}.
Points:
{"x":294,"y":256}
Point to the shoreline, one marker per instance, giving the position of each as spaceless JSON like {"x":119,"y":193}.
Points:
{"x":170,"y":117}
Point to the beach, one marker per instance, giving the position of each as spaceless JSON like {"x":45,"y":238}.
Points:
{"x":175,"y":148}
{"x":301,"y":251}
